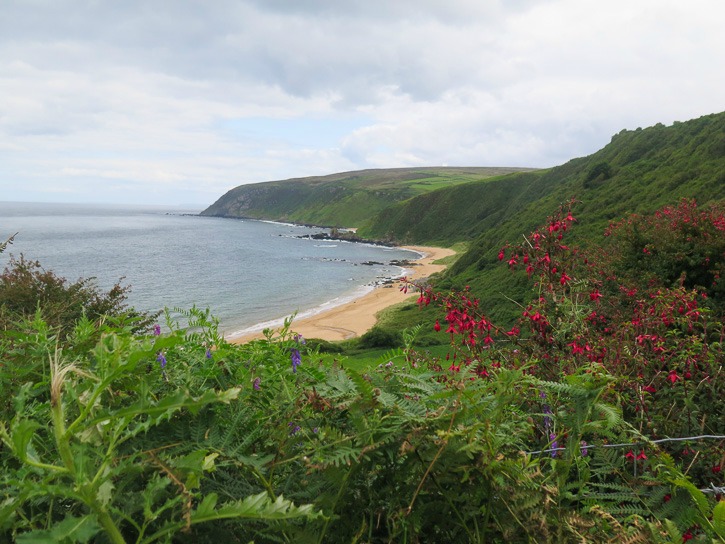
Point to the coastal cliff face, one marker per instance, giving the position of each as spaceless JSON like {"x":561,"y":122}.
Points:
{"x":348,"y":199}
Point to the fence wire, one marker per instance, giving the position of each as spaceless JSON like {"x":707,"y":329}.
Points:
{"x":709,"y":490}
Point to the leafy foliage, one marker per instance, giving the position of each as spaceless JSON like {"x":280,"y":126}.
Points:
{"x":145,"y":438}
{"x":26,"y":287}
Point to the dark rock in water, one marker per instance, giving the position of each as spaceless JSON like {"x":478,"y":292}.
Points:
{"x":372,"y":263}
{"x":344,"y":236}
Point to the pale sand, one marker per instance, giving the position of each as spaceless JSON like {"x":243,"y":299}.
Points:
{"x":358,"y":316}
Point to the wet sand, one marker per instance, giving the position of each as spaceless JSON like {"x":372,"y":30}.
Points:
{"x":358,"y":316}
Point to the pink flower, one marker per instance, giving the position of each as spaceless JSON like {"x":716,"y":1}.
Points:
{"x":595,"y":295}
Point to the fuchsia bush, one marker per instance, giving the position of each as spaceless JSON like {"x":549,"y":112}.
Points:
{"x":647,"y":305}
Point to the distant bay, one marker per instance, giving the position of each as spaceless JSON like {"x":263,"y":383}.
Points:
{"x":249,"y":273}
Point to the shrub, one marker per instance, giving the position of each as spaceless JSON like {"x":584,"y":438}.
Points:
{"x":379,"y":337}
{"x":324,"y":346}
{"x":597,"y":174}
{"x":26,"y":287}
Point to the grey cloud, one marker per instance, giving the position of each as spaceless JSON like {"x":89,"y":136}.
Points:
{"x":134,"y":89}
{"x":327,"y":47}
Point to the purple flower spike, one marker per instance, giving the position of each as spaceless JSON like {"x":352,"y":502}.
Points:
{"x":157,"y":329}
{"x":300,"y":339}
{"x":584,"y":449}
{"x":547,"y":418}
{"x":208,"y":353}
{"x":161,"y":359}
{"x":554,"y":444}
{"x":256,"y":384}
{"x":296,"y":359}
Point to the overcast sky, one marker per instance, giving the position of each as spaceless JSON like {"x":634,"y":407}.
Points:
{"x":176,"y":102}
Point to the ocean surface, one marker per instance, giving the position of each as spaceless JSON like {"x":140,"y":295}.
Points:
{"x":250,"y":274}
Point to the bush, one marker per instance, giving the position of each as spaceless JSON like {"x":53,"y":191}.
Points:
{"x":26,"y":288}
{"x":324,"y":346}
{"x":598,"y":173}
{"x":379,"y":337}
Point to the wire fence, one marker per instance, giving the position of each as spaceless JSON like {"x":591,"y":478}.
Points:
{"x":713,"y":489}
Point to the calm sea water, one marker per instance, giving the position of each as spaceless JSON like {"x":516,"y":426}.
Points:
{"x":249,"y":273}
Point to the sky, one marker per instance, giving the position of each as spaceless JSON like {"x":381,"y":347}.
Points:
{"x":175,"y":102}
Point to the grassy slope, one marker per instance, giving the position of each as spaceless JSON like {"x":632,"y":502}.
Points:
{"x":343,"y":200}
{"x":643,"y":170}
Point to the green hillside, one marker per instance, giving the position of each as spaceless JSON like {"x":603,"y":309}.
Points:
{"x":342,"y":200}
{"x":639,"y":170}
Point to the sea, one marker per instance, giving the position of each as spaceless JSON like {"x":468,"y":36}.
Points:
{"x":250,"y":274}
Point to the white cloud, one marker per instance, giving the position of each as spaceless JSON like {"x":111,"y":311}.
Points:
{"x":168,"y":101}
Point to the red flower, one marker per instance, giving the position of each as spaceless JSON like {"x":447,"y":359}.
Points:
{"x":437,"y":326}
{"x":501,"y":255}
{"x":641,"y":455}
{"x":673,"y":377}
{"x":595,"y":295}
{"x":629,"y":455}
{"x":649,"y":388}
{"x":564,"y":278}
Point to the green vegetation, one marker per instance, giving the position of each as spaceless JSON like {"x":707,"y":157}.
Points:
{"x":644,"y":169}
{"x":340,"y":200}
{"x":566,"y":384}
{"x":599,"y":418}
{"x":26,"y":288}
{"x":639,"y":171}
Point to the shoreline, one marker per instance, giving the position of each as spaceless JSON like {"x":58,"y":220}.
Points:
{"x":358,"y":316}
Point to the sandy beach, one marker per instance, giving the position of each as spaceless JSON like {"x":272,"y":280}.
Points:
{"x":358,"y":316}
